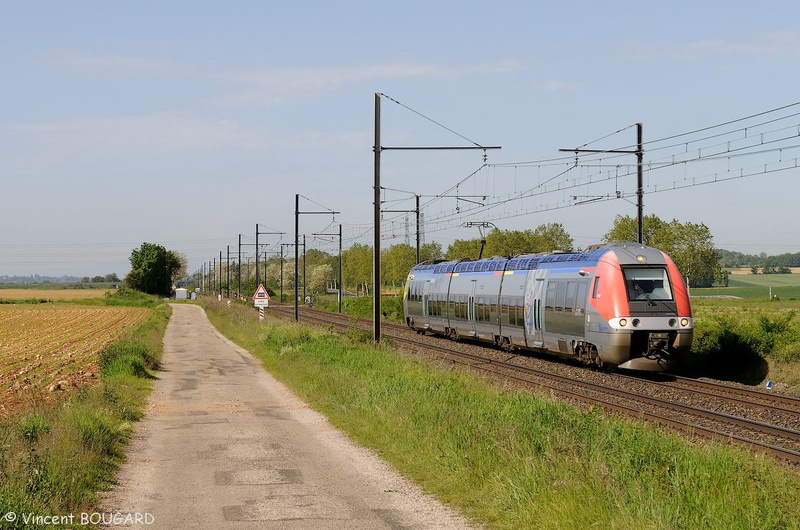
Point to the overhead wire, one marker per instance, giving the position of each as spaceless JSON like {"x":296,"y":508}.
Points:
{"x":476,"y":144}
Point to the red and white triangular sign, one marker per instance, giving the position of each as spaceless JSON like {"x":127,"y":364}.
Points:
{"x":261,"y":293}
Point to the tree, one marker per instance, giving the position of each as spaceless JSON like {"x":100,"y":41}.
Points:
{"x":318,"y":277}
{"x":431,"y":251}
{"x":316,"y":257}
{"x":550,"y":237}
{"x":396,"y":262}
{"x":357,"y":265}
{"x":152,"y":269}
{"x":177,"y":263}
{"x":272,"y":277}
{"x":690,"y":245}
{"x":626,"y":230}
{"x":545,"y":238}
{"x":463,"y":249}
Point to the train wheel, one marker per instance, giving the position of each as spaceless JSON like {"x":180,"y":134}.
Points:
{"x":598,"y":362}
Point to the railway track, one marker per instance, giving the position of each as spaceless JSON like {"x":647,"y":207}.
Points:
{"x":762,"y":421}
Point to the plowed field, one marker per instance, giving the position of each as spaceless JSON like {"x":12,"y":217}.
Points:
{"x":46,"y":350}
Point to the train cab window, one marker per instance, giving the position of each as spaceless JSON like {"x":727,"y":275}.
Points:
{"x":647,"y":284}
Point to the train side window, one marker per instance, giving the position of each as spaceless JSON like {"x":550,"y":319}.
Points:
{"x":550,"y":297}
{"x":569,"y":304}
{"x":504,"y":313}
{"x":596,"y":288}
{"x":580,"y":298}
{"x":561,"y":295}
{"x":520,"y":311}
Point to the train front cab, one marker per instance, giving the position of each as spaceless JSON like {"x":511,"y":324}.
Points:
{"x":639,"y":312}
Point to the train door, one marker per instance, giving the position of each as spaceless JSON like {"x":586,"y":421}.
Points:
{"x":471,"y":308}
{"x":426,"y":288}
{"x":534,"y":293}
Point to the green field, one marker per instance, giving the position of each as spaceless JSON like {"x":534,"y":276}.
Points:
{"x":754,"y":286}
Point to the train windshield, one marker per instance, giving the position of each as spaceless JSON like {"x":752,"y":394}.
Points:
{"x":647,"y":284}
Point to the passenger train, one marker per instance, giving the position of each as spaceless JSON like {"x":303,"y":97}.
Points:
{"x":620,"y":305}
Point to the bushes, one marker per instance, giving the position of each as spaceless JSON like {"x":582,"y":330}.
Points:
{"x":737,"y":347}
{"x":131,"y":358}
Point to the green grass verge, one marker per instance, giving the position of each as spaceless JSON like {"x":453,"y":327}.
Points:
{"x":361,"y":307}
{"x":508,"y":459}
{"x":55,"y":458}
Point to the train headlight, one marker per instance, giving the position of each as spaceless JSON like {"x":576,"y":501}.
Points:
{"x":623,"y":322}
{"x":684,"y":322}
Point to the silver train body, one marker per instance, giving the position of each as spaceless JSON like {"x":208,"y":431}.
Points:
{"x":624,"y":305}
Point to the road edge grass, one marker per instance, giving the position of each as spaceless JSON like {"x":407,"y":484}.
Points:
{"x":55,"y":458}
{"x":509,"y":459}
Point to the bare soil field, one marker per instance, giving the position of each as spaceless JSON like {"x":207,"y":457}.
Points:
{"x":47,"y":350}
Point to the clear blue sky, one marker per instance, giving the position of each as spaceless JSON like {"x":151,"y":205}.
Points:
{"x":186,"y":123}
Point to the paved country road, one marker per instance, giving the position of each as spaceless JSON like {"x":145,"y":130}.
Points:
{"x":224,"y":445}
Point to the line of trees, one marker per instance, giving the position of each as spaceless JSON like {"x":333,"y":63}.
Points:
{"x":322,"y":269}
{"x":108,"y":278}
{"x":735,"y":260}
{"x":690,"y":245}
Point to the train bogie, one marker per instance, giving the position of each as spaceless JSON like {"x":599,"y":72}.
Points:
{"x":622,"y":305}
